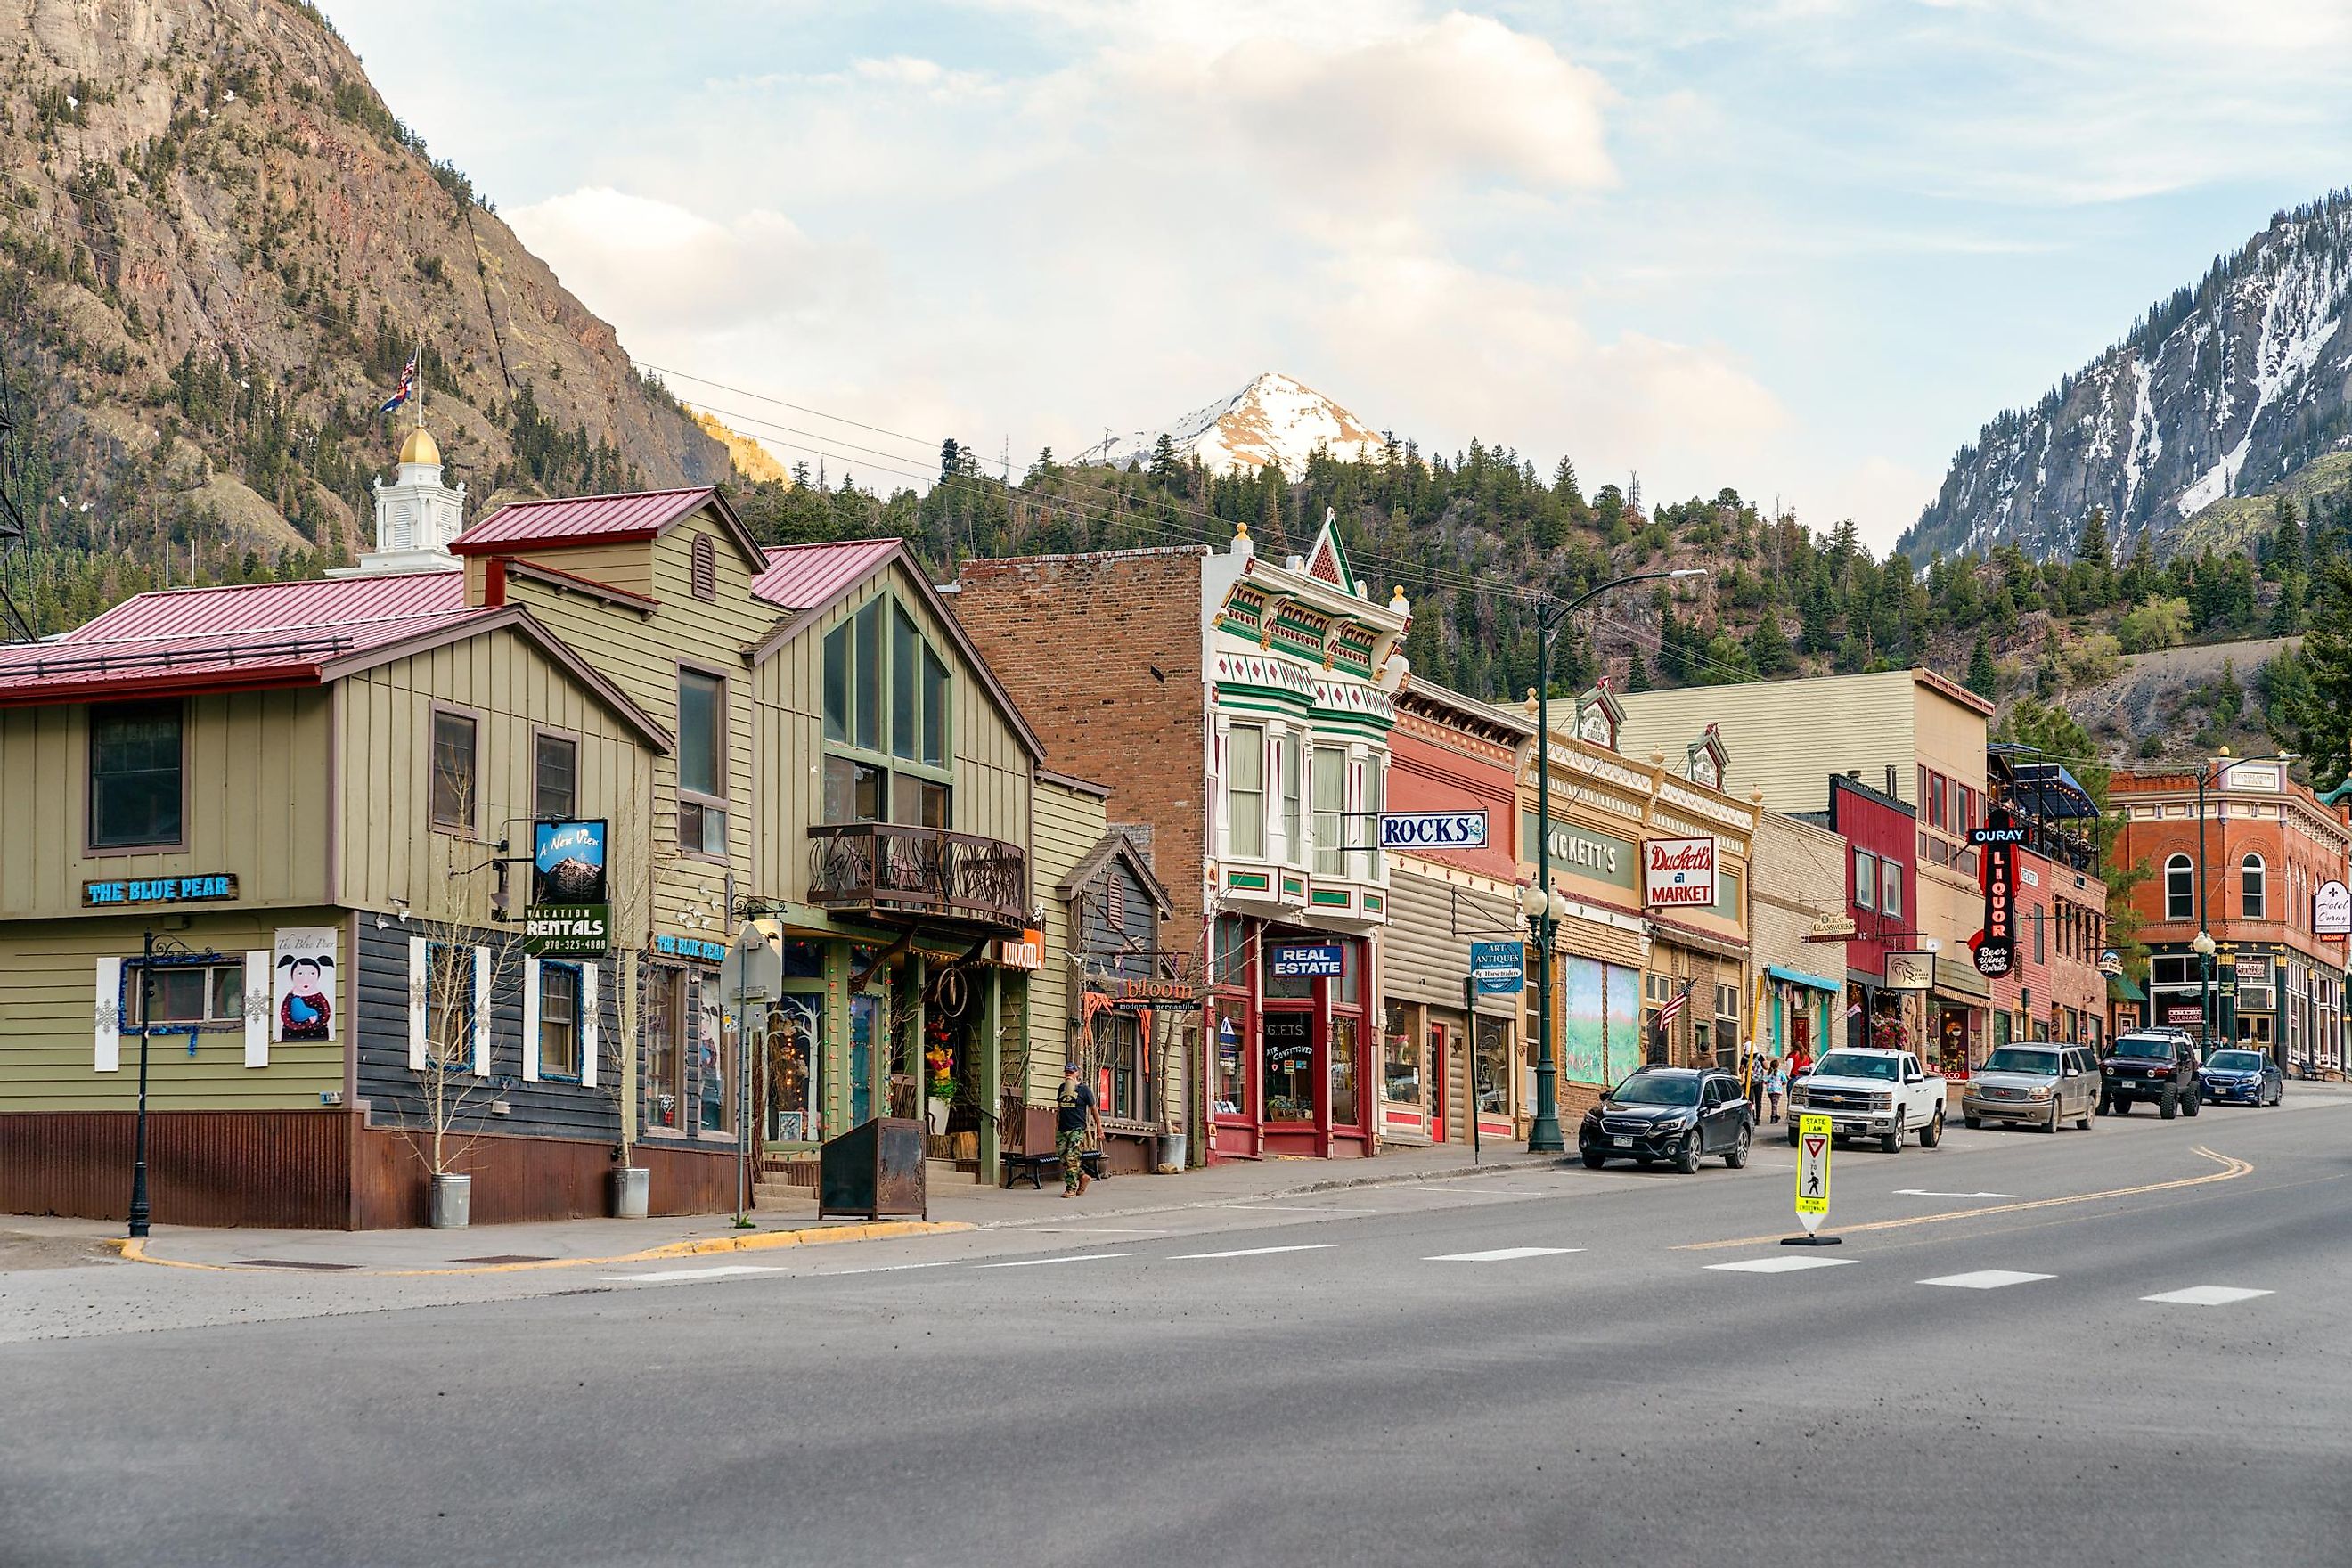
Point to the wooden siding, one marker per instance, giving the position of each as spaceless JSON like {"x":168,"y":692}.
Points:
{"x":47,"y":1059}
{"x":257,"y":802}
{"x":633,"y":568}
{"x":1421,"y":958}
{"x":271,"y":1168}
{"x":1785,"y":737}
{"x":389,"y":848}
{"x":992,"y":770}
{"x":1069,"y":823}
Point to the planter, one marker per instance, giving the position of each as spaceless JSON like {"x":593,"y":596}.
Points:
{"x":632,"y":1191}
{"x":1171,"y":1152}
{"x":453,"y":1201}
{"x":939,"y":1115}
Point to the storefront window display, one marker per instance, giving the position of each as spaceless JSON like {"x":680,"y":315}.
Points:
{"x":1493,"y":1060}
{"x":795,"y":1036}
{"x":1233,"y":1064}
{"x":1400,"y":1057}
{"x":865,"y":1024}
{"x":1346,"y":1106}
{"x":1289,"y":1067}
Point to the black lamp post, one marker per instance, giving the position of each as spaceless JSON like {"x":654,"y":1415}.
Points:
{"x":1544,"y":1135}
{"x":140,"y":1214}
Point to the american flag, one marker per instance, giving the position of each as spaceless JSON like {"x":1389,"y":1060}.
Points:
{"x":407,"y":386}
{"x":1668,"y":1013}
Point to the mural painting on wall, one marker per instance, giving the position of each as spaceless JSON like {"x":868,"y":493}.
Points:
{"x":1584,"y":1038}
{"x":1624,"y":1012}
{"x":304,"y":984}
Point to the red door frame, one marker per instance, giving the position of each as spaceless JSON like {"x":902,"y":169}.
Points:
{"x":1435,"y":1049}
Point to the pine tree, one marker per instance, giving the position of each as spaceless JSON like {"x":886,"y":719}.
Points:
{"x":2287,"y":556}
{"x":2093,"y":549}
{"x":1164,"y":467}
{"x":1637,"y":678}
{"x":1768,"y":649}
{"x":1984,"y":679}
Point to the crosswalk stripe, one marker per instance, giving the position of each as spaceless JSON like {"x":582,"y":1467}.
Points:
{"x":1987,"y":1279}
{"x":2207,"y":1296}
{"x":724,"y":1269}
{"x":1251,"y":1252}
{"x":1501,"y":1254}
{"x":1037,"y":1262}
{"x":1788,"y":1264}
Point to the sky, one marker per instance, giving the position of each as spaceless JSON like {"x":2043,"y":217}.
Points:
{"x":1803,"y":248}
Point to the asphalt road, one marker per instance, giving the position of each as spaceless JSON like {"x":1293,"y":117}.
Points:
{"x":1540,"y":1367}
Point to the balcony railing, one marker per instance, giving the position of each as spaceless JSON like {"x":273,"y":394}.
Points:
{"x":886,"y":867}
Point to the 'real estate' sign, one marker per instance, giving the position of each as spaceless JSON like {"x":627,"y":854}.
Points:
{"x":1319,"y":960}
{"x":1678,"y":872}
{"x":212,"y":887}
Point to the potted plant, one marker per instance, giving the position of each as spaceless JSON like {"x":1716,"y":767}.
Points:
{"x":939,"y":1061}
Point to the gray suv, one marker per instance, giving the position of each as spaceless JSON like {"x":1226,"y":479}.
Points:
{"x":2041,"y":1084}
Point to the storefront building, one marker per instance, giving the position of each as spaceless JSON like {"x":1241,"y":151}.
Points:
{"x":1798,"y":915}
{"x":2265,"y":878}
{"x":1242,"y":712}
{"x":1880,"y":846}
{"x":2056,"y":989}
{"x":1652,"y":961}
{"x":1445,"y":1044}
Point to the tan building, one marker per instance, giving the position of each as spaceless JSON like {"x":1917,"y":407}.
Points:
{"x":1799,"y":895}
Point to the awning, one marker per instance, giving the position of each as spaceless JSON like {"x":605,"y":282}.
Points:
{"x":2121,"y":989}
{"x":1799,"y":977}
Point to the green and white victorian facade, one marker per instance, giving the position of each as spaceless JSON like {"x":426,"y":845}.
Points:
{"x":1301,"y":664}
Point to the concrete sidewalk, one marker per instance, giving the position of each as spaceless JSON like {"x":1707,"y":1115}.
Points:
{"x":559,"y":1244}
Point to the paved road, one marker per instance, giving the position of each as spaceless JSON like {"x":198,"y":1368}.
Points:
{"x":1544,"y":1366}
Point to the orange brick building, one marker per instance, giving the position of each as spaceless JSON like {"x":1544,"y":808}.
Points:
{"x":2271,"y":855}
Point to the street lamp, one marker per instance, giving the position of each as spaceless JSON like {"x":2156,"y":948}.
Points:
{"x":2203,"y":948}
{"x":1543,"y":1129}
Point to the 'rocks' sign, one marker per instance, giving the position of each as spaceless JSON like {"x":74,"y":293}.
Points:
{"x":1678,"y":872}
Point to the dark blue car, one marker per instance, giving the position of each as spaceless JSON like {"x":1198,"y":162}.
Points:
{"x":2241,"y":1078}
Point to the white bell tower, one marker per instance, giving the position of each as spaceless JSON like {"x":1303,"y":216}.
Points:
{"x":416,"y":515}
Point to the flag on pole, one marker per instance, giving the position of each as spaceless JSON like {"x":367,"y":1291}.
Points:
{"x":407,"y":387}
{"x":1668,"y":1013}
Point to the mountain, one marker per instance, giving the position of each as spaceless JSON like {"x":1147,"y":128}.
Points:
{"x":1275,"y":419}
{"x":217,"y":250}
{"x":750,"y":459}
{"x":2231,"y":389}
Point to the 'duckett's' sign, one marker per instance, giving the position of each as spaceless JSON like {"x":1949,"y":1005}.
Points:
{"x":1678,"y":872}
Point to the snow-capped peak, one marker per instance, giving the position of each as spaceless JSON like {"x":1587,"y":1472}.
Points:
{"x":1275,"y":419}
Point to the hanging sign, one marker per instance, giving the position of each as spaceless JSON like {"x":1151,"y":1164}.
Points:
{"x":1319,"y":960}
{"x":570,"y":911}
{"x":1678,"y":872}
{"x":2331,"y":910}
{"x":1498,"y":968}
{"x":1997,"y":841}
{"x":1433,"y":830}
{"x":1910,"y":971}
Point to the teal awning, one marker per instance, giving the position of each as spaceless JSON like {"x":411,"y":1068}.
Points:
{"x":2121,"y":989}
{"x":1799,"y":977}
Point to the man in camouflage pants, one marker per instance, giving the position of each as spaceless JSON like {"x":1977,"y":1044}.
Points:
{"x":1075,"y":1115}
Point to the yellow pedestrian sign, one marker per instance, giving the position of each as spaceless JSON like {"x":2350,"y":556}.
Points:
{"x":1812,"y":1171}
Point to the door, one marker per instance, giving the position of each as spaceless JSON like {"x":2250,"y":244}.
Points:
{"x":1716,"y":1112}
{"x":1436,"y":1087}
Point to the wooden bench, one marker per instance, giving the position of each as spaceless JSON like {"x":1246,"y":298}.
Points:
{"x":1035,"y":1167}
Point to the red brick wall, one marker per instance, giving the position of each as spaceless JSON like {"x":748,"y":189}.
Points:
{"x":1075,"y":638}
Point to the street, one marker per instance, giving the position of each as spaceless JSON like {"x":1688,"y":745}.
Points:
{"x":1537,"y":1365}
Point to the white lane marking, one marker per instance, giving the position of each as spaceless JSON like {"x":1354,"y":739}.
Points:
{"x":719,"y":1272}
{"x":1091,"y":1230}
{"x":1916,"y":1193}
{"x":890,"y":1268}
{"x":1501,"y":1255}
{"x":1252,"y":1251}
{"x":2207,"y":1296}
{"x":1787,"y":1265}
{"x":1987,"y":1279}
{"x":1296,"y":1208}
{"x":1038,"y":1262}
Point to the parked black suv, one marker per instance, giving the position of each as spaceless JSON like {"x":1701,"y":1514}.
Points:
{"x":1675,"y":1115}
{"x":2158,"y":1067}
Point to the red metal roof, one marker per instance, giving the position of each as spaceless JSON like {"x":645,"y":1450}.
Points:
{"x":267,"y":634}
{"x":803,"y":576}
{"x":582,"y":520}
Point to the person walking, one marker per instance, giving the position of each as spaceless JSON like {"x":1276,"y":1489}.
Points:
{"x":1755,"y":1068}
{"x":1075,"y":1116}
{"x":1776,"y":1084}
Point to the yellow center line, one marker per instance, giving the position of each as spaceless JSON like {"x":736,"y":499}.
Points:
{"x":2233,"y":1168}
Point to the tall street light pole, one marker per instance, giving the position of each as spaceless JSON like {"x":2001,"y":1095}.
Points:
{"x":1544,"y":910}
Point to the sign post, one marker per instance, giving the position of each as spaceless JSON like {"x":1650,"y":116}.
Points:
{"x":1812,"y":1182}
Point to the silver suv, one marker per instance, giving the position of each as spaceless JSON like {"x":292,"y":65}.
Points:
{"x":2041,"y":1084}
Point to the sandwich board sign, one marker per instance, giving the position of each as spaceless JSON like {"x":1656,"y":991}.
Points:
{"x":1812,"y":1171}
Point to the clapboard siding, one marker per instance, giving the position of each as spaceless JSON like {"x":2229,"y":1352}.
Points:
{"x":1069,"y":823}
{"x":1423,"y":959}
{"x":545,"y":1109}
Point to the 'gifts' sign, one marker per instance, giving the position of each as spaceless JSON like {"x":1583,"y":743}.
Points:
{"x":1678,"y":872}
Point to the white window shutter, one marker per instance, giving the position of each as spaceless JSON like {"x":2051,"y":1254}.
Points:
{"x":482,"y":1011}
{"x":588,"y":1031}
{"x":420,"y":978}
{"x":107,"y":1037}
{"x":260,"y":996}
{"x":529,"y":1020}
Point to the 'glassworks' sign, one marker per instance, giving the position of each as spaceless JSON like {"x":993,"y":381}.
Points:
{"x":1678,"y":872}
{"x":211,"y":887}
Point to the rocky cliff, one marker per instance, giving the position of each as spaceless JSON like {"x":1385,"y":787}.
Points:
{"x":2227,"y":389}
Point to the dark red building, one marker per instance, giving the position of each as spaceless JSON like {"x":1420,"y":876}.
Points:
{"x":1881,"y":892}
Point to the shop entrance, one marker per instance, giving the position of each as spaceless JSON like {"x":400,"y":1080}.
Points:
{"x":1437,"y":1081}
{"x":1288,"y":1069}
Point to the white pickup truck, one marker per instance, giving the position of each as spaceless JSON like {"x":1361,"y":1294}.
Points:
{"x":1871,"y":1094}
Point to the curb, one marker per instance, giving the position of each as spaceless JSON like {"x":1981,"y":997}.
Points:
{"x":1333,"y":1184}
{"x":134,"y":1250}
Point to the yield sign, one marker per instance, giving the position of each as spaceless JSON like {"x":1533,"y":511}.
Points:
{"x":1812,"y":1171}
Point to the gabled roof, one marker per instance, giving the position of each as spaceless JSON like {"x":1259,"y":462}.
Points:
{"x":1116,"y":844}
{"x":825,"y":575}
{"x":1328,"y":559}
{"x":563,"y":524}
{"x":257,"y":636}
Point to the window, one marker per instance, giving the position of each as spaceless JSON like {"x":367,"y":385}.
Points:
{"x":918,"y":802}
{"x":795,"y":1045}
{"x":935,"y":710}
{"x":135,"y":755}
{"x":1246,"y":792}
{"x":867,"y":684}
{"x":665,"y":1095}
{"x":555,"y":778}
{"x":906,"y":669}
{"x":453,"y":770}
{"x":2180,"y":894}
{"x":449,"y":1001}
{"x":1493,"y":1050}
{"x":1401,"y":1058}
{"x":1933,"y":790}
{"x":1233,"y":1067}
{"x":559,"y":1021}
{"x":1289,"y":1041}
{"x":1120,"y":1039}
{"x":1726,"y":1002}
{"x":1658,"y":989}
{"x":1956,"y":801}
{"x":2252,"y":900}
{"x":185,"y":994}
{"x":705,"y":568}
{"x":701,"y":764}
{"x":1294,"y":794}
{"x":1865,"y":880}
{"x":885,"y":693}
{"x":1890,"y":887}
{"x":2039,"y":920}
{"x":1228,"y":957}
{"x":713,"y":1060}
{"x":853,"y":790}
{"x":1330,"y":777}
{"x":1347,"y":1109}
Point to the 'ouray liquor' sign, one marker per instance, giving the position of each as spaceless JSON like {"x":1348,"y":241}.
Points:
{"x":1996,"y":844}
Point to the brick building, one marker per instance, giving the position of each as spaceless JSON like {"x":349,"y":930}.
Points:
{"x":2268,"y":851}
{"x":2056,"y":990}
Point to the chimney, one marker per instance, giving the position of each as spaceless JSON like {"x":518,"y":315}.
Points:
{"x":1891,"y":788}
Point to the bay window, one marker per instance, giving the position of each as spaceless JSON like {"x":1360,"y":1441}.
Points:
{"x":888,"y":710}
{"x":1246,"y":792}
{"x":1330,"y":781}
